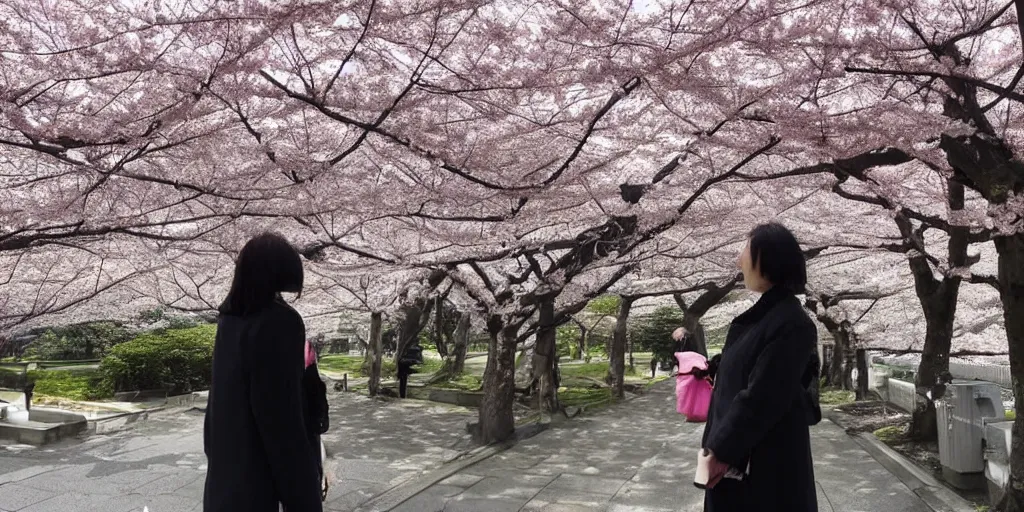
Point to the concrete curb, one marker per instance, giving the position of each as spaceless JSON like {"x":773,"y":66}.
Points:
{"x":404,"y":492}
{"x":937,"y":496}
{"x":118,"y":421}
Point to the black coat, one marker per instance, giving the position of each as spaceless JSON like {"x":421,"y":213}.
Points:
{"x":762,"y":407}
{"x":256,"y":442}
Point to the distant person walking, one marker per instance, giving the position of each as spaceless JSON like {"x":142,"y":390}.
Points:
{"x":764,"y":392}
{"x":412,"y":356}
{"x":257,"y":444}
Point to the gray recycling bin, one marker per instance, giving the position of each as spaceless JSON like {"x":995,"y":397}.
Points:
{"x":962,"y":415}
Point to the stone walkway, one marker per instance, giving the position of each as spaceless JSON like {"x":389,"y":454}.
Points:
{"x":159,"y":463}
{"x":638,"y":457}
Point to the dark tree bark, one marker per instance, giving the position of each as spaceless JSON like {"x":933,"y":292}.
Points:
{"x":862,"y":374}
{"x":582,"y":342}
{"x":375,"y":352}
{"x":414,"y":316}
{"x":692,"y":313}
{"x":454,"y":364}
{"x":849,"y":361}
{"x":460,"y":345}
{"x":938,"y":300}
{"x":617,"y":361}
{"x":413,"y":319}
{"x":545,"y":360}
{"x":497,"y":423}
{"x":986,"y":164}
{"x":439,"y":335}
{"x":837,"y":367}
{"x":1011,"y":284}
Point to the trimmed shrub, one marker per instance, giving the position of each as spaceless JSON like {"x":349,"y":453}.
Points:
{"x":70,"y":384}
{"x":81,"y":341}
{"x":177,"y":360}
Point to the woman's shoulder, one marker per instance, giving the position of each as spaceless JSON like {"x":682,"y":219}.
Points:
{"x":792,"y":315}
{"x":281,"y":310}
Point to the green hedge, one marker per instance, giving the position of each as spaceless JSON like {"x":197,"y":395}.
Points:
{"x":81,"y":341}
{"x":178,"y":360}
{"x":74,"y":385}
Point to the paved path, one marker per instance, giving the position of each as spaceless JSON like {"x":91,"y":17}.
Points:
{"x":372,"y":446}
{"x":638,"y":457}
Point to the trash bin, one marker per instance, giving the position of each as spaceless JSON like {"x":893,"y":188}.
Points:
{"x":962,"y":415}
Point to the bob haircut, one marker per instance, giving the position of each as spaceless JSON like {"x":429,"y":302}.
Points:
{"x":776,"y":253}
{"x":267,"y":266}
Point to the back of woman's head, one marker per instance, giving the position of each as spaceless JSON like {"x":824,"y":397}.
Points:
{"x":776,"y":253}
{"x":267,"y":266}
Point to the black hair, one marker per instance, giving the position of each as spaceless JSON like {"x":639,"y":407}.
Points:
{"x":776,"y":253}
{"x":267,"y":266}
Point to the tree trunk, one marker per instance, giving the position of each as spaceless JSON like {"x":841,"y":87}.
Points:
{"x":375,"y":352}
{"x":455,"y":362}
{"x":545,"y":360}
{"x":836,"y":367}
{"x":849,"y":363}
{"x":629,"y":343}
{"x":862,"y":374}
{"x":933,"y":371}
{"x":617,"y":359}
{"x":461,"y":345}
{"x":693,"y":313}
{"x":582,"y":342}
{"x":497,"y":422}
{"x":938,"y":301}
{"x":442,"y":347}
{"x":1011,"y":283}
{"x":414,"y":318}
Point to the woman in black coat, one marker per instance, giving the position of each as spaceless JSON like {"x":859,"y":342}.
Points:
{"x":259,"y":455}
{"x":764,"y":397}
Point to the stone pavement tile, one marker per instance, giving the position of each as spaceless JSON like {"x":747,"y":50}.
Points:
{"x":375,"y":471}
{"x":540,"y":506}
{"x":350,"y":501}
{"x":478,"y":505}
{"x":171,"y":503}
{"x":433,"y":499}
{"x":16,"y":497}
{"x":67,"y":502}
{"x":170,"y":483}
{"x":645,"y":495}
{"x":851,"y":480}
{"x":582,"y":498}
{"x":593,"y":484}
{"x":75,"y":479}
{"x":463,"y":480}
{"x":632,"y":508}
{"x":17,"y":475}
{"x":194,"y":488}
{"x":520,"y":487}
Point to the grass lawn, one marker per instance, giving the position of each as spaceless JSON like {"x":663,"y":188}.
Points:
{"x":353,"y":365}
{"x":585,"y":370}
{"x":836,"y":396}
{"x":464,"y":382}
{"x":575,"y":397}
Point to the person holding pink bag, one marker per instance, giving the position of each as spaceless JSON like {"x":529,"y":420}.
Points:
{"x":693,"y":381}
{"x":756,"y":450}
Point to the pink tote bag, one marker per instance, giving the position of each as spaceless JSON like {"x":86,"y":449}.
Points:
{"x":693,"y":395}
